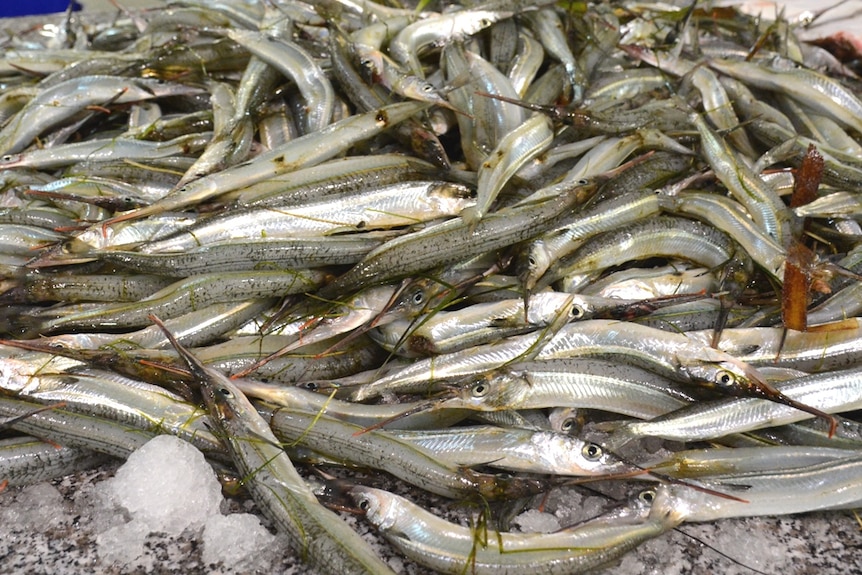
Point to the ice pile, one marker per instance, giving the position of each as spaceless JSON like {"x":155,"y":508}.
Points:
{"x":167,"y":487}
{"x":535,"y":521}
{"x":39,"y":508}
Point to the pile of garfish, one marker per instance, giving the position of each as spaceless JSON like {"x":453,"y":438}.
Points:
{"x":489,"y":249}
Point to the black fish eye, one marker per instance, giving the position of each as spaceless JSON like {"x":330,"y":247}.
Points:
{"x":592,"y":452}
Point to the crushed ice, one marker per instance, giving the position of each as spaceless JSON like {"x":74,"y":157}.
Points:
{"x":167,"y":487}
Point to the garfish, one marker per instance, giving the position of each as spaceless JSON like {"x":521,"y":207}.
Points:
{"x":318,"y":535}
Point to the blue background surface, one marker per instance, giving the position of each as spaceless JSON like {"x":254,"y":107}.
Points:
{"x":10,"y":8}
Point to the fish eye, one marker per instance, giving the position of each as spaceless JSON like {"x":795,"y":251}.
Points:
{"x":568,"y":424}
{"x":428,"y":88}
{"x":480,"y":390}
{"x":725,"y":377}
{"x":592,"y":452}
{"x":647,"y":496}
{"x":418,"y":298}
{"x":583,"y":182}
{"x":364,"y":504}
{"x":225,"y":392}
{"x":7,"y":158}
{"x":531,"y":261}
{"x":577,"y":312}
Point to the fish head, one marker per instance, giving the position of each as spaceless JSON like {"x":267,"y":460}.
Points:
{"x":720,"y":371}
{"x":494,"y":391}
{"x":378,"y":506}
